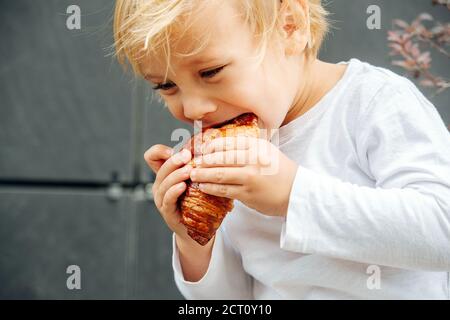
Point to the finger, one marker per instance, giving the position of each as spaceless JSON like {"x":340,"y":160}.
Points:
{"x":222,"y":175}
{"x":169,"y":203}
{"x":177,"y":160}
{"x":228,"y":158}
{"x":227,"y":143}
{"x":231,"y":191}
{"x":177,"y":176}
{"x":157,"y":155}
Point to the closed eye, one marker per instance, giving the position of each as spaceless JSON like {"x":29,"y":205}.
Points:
{"x":211,"y":73}
{"x":204,"y":74}
{"x":164,"y":86}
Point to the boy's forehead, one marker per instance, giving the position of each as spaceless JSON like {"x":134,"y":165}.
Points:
{"x":215,"y":22}
{"x":213,"y":27}
{"x":215,"y":14}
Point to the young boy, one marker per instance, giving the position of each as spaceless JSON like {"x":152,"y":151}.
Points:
{"x":359,"y":206}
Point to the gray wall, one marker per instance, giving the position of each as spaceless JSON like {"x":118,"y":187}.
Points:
{"x":72,"y":137}
{"x":73,"y":129}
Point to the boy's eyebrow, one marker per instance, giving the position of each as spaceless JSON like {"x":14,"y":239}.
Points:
{"x":199,"y":60}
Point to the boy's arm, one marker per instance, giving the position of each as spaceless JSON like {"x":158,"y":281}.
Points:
{"x":219,"y":275}
{"x":404,"y":221}
{"x":194,"y":258}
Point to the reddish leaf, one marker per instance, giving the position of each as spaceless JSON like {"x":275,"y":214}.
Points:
{"x":415,"y":52}
{"x":437,"y":29}
{"x":396,"y":47}
{"x":424,"y":58}
{"x":393,"y":36}
{"x":426,"y":83}
{"x":425,"y":16}
{"x":400,"y":23}
{"x":399,"y":63}
{"x":408,"y":45}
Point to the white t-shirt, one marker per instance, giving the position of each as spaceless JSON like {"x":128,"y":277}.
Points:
{"x":369,"y":210}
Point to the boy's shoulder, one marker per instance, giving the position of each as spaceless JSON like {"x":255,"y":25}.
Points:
{"x":368,"y":80}
{"x":376,"y":88}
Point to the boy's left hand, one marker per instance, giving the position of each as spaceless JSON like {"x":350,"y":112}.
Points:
{"x":251,"y":170}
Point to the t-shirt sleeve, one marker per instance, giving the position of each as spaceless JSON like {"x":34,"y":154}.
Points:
{"x":225,"y":277}
{"x":404,"y":220}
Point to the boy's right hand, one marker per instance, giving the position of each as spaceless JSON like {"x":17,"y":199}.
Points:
{"x":171,"y":172}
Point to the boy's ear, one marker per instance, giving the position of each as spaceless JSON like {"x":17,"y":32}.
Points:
{"x":294,"y":17}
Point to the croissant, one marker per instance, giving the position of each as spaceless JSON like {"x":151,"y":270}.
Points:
{"x":203,"y":213}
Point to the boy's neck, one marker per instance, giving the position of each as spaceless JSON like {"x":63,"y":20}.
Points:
{"x":319,"y":78}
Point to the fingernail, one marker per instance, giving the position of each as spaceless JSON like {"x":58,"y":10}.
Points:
{"x":169,"y":152}
{"x":185,"y":155}
{"x":187,"y":169}
{"x":180,"y":157}
{"x":198,"y":160}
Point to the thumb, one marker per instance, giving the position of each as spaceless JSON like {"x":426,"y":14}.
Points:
{"x":157,"y":155}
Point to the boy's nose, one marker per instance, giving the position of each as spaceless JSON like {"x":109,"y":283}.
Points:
{"x":196,"y":107}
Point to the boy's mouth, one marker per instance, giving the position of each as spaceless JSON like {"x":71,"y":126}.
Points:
{"x":220,"y":124}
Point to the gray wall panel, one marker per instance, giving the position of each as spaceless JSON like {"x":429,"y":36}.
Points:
{"x":154,"y":276}
{"x":43,"y":232}
{"x":122,"y":247}
{"x":65,"y":108}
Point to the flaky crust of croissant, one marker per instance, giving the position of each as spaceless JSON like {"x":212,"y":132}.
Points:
{"x":202,"y":213}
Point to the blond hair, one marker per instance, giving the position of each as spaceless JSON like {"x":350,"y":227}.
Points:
{"x":145,"y":26}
